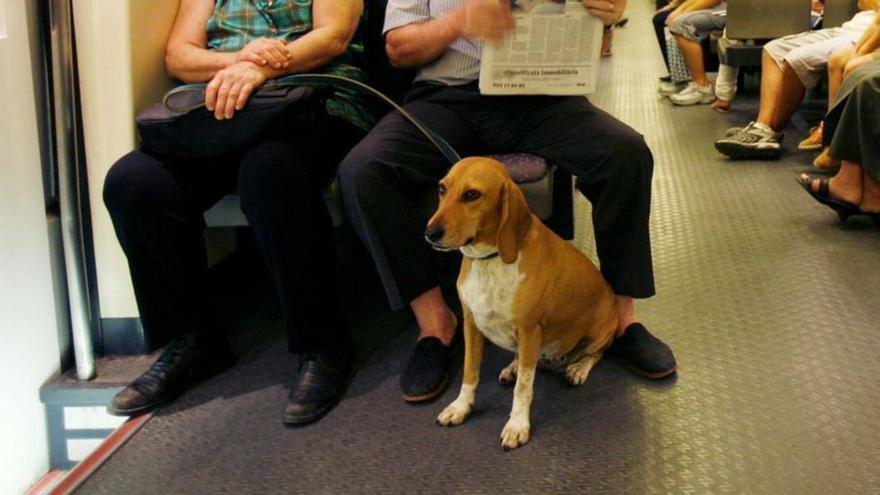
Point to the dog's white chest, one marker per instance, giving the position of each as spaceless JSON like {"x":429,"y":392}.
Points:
{"x":489,"y":290}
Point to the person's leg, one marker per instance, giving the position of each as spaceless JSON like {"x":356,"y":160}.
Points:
{"x":156,"y":208}
{"x":870,"y":202}
{"x":781,"y":91}
{"x":692,"y":52}
{"x":659,"y":21}
{"x":280,"y":182}
{"x":607,"y":39}
{"x":836,"y":64}
{"x":771,"y":88}
{"x":690,"y":30}
{"x":725,"y":83}
{"x":613,"y":167}
{"x":385,"y":181}
{"x":802,"y":69}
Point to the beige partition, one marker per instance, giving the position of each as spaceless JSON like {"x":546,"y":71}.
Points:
{"x":28,"y":327}
{"x":120,"y":50}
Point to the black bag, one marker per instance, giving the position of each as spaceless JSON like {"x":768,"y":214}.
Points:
{"x":181,"y":126}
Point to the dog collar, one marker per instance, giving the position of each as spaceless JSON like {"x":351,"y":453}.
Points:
{"x":487,"y":257}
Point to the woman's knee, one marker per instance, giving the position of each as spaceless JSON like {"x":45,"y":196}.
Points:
{"x":136,"y":182}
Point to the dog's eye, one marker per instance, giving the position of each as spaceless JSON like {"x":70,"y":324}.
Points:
{"x":441,"y":189}
{"x":471,"y":195}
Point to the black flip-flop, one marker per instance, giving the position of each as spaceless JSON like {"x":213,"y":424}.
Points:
{"x":843,"y":209}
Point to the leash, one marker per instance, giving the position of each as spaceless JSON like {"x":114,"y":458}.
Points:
{"x":324,"y":80}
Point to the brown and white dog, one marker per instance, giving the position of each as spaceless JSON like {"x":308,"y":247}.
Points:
{"x":521,"y":286}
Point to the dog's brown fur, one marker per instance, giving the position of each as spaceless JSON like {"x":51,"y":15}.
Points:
{"x":562,"y":309}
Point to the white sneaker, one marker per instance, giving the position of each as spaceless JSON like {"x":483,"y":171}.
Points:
{"x":756,"y":140}
{"x":693,"y":95}
{"x":670,"y":87}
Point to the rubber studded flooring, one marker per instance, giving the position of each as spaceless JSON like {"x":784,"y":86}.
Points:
{"x":770,"y":303}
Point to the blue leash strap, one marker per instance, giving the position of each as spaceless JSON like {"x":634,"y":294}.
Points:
{"x":328,"y":80}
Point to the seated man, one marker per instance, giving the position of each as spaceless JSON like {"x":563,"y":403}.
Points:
{"x":691,"y":24}
{"x":157,"y":202}
{"x":790,"y":65}
{"x":386,"y":175}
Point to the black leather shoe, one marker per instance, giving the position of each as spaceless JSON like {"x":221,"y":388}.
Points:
{"x":322,"y":381}
{"x":183,"y":362}
{"x":427,"y":373}
{"x":647,"y":355}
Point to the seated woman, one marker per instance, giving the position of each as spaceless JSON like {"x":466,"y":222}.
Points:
{"x":157,"y":202}
{"x":852,"y":131}
{"x":840,"y":65}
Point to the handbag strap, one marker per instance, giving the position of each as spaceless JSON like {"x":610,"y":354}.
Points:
{"x":325,"y":80}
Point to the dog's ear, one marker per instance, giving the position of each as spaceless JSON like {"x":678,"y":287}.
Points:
{"x":515,"y":221}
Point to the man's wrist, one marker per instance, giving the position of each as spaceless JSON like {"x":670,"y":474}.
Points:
{"x":454,"y":22}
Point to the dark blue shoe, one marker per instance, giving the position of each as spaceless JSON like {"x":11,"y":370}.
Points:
{"x":427,"y":373}
{"x":647,"y":355}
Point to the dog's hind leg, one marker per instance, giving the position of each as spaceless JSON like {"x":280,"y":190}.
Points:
{"x":578,"y":371}
{"x":508,"y":374}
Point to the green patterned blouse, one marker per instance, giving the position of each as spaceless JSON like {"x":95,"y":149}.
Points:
{"x":235,"y":23}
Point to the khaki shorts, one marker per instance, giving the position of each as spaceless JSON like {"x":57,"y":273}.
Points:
{"x":808,"y":53}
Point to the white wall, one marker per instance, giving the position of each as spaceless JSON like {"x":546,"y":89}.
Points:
{"x":132,"y":35}
{"x":28,"y":335}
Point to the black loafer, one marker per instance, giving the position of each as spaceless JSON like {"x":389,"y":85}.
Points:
{"x":427,"y":373}
{"x":647,"y":355}
{"x":183,"y":362}
{"x":321,"y":383}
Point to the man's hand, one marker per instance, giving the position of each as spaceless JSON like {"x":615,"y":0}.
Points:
{"x":231,"y":87}
{"x":263,"y":51}
{"x":485,"y":19}
{"x":671,"y":19}
{"x":609,"y":11}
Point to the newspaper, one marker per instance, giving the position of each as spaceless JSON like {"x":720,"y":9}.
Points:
{"x":553,"y":50}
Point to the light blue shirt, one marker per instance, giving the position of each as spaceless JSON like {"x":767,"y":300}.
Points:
{"x":460,"y":64}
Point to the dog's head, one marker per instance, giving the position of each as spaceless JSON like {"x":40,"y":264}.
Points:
{"x":481,"y":211}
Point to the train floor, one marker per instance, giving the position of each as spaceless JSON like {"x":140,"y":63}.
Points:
{"x":768,"y":300}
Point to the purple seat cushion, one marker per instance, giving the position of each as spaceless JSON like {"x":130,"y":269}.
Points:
{"x":523,"y":167}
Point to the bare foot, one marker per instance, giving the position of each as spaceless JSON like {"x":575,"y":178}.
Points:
{"x":870,"y":194}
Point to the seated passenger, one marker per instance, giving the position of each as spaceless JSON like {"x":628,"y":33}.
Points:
{"x":852,"y":131}
{"x":841,"y":64}
{"x":157,"y":202}
{"x":664,"y":9}
{"x":725,"y":83}
{"x":790,"y":65}
{"x":697,"y":18}
{"x":388,"y":174}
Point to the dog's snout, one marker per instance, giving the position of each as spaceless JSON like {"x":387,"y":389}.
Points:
{"x":434,"y":233}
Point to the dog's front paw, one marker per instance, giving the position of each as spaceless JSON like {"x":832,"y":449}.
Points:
{"x":454,"y":414}
{"x":515,"y":434}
